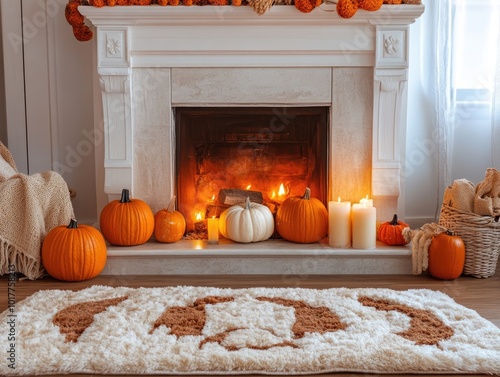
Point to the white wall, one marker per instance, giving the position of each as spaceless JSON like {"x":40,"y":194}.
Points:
{"x":59,"y":76}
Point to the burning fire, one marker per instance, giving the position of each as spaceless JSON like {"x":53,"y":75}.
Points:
{"x":248,"y":187}
{"x":198,"y":216}
{"x":282,"y":192}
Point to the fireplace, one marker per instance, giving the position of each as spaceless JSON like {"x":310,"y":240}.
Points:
{"x":225,"y":154}
{"x":157,"y":65}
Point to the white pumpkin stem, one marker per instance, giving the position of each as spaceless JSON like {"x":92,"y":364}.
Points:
{"x":307,"y":194}
{"x":171,"y":204}
{"x":247,"y":203}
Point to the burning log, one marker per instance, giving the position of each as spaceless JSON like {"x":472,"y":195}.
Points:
{"x":215,"y":210}
{"x":237,"y":196}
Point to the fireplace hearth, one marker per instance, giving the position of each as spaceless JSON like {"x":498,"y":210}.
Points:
{"x":156,"y":64}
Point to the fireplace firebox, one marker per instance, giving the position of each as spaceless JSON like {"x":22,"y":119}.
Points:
{"x":269,"y":152}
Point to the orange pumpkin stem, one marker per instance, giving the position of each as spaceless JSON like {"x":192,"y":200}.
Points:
{"x":125,"y":196}
{"x":171,"y":204}
{"x":307,"y":194}
{"x":73,"y":224}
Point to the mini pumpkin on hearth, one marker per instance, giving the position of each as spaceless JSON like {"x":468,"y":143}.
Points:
{"x":391,"y":232}
{"x":170,"y":224}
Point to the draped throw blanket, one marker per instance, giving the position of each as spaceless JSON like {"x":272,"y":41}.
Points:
{"x":30,"y":206}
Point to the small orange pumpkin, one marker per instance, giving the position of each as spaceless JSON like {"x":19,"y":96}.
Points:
{"x":74,"y":253}
{"x":127,"y":222}
{"x":170,"y":224}
{"x":302,"y":219}
{"x":391,"y":232}
{"x":446,"y":256}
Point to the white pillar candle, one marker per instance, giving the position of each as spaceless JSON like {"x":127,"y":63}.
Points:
{"x":339,"y":224}
{"x":213,"y":231}
{"x":364,"y":226}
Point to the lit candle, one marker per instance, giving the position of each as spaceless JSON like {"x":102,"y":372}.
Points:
{"x":339,"y":224}
{"x":213,"y":231}
{"x":367,"y":202}
{"x":364,"y":225}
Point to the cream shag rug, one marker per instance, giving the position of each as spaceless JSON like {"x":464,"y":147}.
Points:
{"x":200,"y":330}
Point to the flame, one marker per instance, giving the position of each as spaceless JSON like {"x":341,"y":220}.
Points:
{"x":339,"y":199}
{"x":282,"y":190}
{"x":273,"y":195}
{"x":213,"y":199}
{"x":198,"y":216}
{"x":248,"y":187}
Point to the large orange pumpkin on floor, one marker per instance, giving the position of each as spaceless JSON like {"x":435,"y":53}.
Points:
{"x":170,"y":224}
{"x":73,"y":252}
{"x":302,"y":219}
{"x":127,"y":222}
{"x":391,"y":232}
{"x":446,"y":256}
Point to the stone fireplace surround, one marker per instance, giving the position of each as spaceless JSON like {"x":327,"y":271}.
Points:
{"x":151,"y":59}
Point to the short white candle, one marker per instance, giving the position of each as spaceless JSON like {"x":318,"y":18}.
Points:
{"x":364,"y":226}
{"x":213,"y":231}
{"x":339,"y":224}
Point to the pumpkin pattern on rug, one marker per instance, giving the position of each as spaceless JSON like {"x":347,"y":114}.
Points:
{"x":279,"y":323}
{"x":210,"y":330}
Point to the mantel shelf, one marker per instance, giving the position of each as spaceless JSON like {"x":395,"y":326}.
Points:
{"x":218,"y":15}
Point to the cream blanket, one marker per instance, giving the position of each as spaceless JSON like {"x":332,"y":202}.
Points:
{"x":30,"y":206}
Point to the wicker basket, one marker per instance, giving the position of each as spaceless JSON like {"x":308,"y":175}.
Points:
{"x":481,"y":236}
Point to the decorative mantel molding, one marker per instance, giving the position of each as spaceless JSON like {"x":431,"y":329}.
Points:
{"x":235,"y":37}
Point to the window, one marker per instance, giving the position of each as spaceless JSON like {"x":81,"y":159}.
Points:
{"x":475,"y":32}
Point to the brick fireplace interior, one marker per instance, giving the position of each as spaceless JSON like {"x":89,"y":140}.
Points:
{"x":267,"y":153}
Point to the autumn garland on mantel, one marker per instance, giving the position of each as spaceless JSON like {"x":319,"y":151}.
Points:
{"x":345,"y":8}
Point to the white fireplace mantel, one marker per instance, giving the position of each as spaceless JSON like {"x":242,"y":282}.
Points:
{"x":180,"y":36}
{"x":230,"y":56}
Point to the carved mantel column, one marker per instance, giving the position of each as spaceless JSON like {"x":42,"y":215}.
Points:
{"x":115,"y":80}
{"x":389,"y":122}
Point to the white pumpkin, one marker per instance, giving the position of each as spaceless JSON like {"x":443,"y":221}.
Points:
{"x":251,"y":222}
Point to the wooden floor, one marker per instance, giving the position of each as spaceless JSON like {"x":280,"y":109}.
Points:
{"x":482,"y":295}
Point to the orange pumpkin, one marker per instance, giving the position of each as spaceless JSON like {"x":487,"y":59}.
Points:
{"x":127,"y":222}
{"x":74,"y":253}
{"x":302,"y":219}
{"x":170,"y":224}
{"x":391,"y":232}
{"x":446,"y":256}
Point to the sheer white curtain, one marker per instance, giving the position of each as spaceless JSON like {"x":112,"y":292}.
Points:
{"x":461,"y":65}
{"x":436,"y":68}
{"x":495,"y":121}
